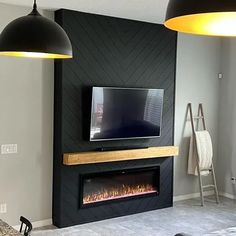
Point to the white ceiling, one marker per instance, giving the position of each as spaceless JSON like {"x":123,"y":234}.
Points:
{"x":144,"y":10}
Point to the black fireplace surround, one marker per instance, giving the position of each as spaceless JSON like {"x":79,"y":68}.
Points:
{"x":117,"y":53}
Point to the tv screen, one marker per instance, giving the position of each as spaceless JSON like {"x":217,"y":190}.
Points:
{"x":125,"y":113}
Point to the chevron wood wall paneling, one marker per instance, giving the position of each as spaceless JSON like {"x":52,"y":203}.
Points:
{"x":108,"y":52}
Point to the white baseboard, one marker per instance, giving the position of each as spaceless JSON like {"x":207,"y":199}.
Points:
{"x":37,"y":224}
{"x":191,"y":195}
{"x":230,"y":196}
{"x":207,"y":193}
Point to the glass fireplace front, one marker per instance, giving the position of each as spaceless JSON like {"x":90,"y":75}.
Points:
{"x":117,"y":185}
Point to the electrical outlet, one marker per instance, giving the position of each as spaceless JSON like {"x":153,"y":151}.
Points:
{"x":8,"y":148}
{"x":233,"y":180}
{"x":3,"y":208}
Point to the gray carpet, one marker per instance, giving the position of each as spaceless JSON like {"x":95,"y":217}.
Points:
{"x":186,"y":216}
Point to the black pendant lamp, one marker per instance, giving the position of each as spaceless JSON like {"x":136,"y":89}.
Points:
{"x":204,"y":17}
{"x":35,"y":36}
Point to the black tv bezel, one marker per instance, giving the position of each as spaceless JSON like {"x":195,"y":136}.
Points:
{"x":129,"y":138}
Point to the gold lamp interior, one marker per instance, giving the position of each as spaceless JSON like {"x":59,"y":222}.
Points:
{"x":35,"y":55}
{"x":215,"y":24}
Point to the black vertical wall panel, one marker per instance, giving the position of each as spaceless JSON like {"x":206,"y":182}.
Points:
{"x":108,"y":52}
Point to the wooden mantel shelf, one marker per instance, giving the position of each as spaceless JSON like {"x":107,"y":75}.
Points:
{"x":121,"y":155}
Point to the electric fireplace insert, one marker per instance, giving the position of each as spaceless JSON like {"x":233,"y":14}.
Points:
{"x":105,"y":187}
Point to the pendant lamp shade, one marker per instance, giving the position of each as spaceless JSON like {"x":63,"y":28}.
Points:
{"x":204,"y":17}
{"x":35,"y":36}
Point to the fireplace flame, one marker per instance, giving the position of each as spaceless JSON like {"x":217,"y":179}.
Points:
{"x":119,"y":192}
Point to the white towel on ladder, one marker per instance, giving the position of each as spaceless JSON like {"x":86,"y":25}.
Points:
{"x":204,"y":150}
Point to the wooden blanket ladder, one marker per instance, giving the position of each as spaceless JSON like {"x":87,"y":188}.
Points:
{"x":197,"y":119}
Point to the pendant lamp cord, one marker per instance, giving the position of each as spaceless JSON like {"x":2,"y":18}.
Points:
{"x":35,"y":11}
{"x":35,"y":5}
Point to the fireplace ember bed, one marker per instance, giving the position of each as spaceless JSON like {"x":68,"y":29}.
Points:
{"x":105,"y":187}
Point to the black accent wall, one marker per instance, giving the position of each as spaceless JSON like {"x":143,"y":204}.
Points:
{"x":108,"y":52}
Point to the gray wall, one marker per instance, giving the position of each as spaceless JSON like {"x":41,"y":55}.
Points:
{"x":198,"y":65}
{"x":26,"y":101}
{"x":227,"y":125}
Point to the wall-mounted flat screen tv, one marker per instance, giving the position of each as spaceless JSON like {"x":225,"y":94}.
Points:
{"x":125,"y":113}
